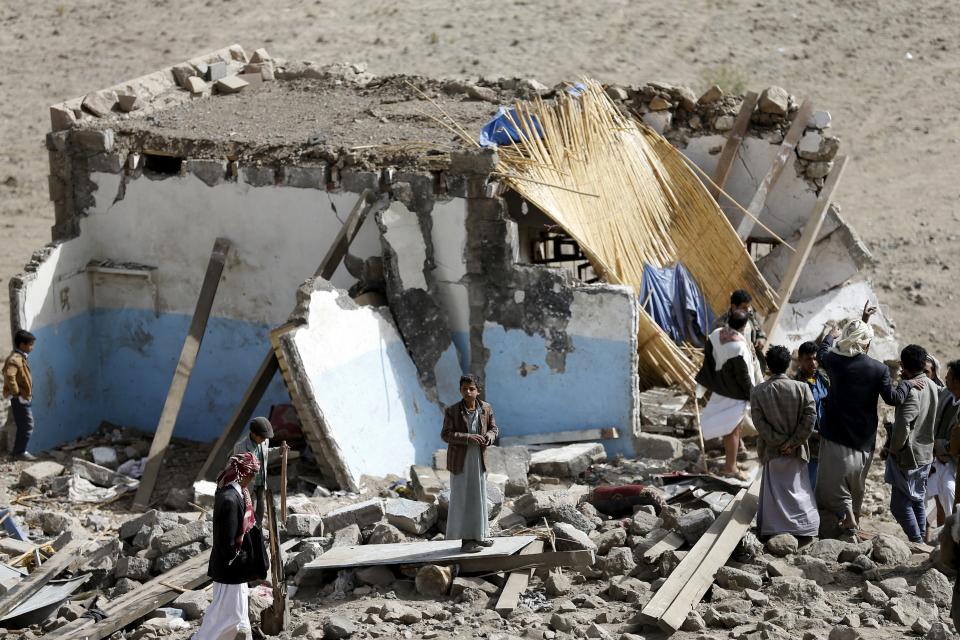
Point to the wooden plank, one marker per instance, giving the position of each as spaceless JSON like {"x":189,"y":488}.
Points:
{"x":668,"y":591}
{"x":517,"y":582}
{"x":426,"y":552}
{"x":671,"y":542}
{"x":694,"y":589}
{"x":550,"y":560}
{"x":223,"y":447}
{"x":188,"y":357}
{"x":807,"y":240}
{"x":578,"y":435}
{"x":732,"y":145}
{"x":64,"y":559}
{"x":283,"y":483}
{"x":784,"y":154}
{"x":136,"y":604}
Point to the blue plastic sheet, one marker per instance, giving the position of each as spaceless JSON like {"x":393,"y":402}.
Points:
{"x":500,"y":130}
{"x":673,"y":299}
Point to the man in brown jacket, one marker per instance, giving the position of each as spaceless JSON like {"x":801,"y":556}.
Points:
{"x":18,"y":386}
{"x":468,"y":429}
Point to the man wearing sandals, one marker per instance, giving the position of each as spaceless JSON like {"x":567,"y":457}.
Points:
{"x":849,"y":430}
{"x":468,"y":429}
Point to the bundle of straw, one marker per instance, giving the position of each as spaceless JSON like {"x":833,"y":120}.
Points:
{"x":627,"y":196}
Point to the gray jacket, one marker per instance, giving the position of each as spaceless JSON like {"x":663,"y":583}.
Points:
{"x":263,"y":453}
{"x":784,"y":414}
{"x":948,"y":415}
{"x":911,"y":439}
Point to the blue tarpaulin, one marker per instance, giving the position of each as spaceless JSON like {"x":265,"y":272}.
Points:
{"x":673,"y":299}
{"x":500,"y":129}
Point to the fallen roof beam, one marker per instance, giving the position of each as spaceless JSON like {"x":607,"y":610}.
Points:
{"x":755,"y":208}
{"x":580,"y":435}
{"x":181,"y":376}
{"x":809,"y":238}
{"x":732,"y":145}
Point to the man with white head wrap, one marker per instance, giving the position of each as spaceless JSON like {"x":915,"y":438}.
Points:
{"x":849,"y":429}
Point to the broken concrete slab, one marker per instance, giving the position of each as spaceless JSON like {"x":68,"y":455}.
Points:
{"x":428,"y":483}
{"x":537,"y":504}
{"x":567,"y":462}
{"x":658,"y":447}
{"x":411,"y":516}
{"x":36,"y":474}
{"x":182,"y":535}
{"x":101,"y":476}
{"x":361,"y":514}
{"x":196,"y":85}
{"x":513,"y":462}
{"x":302,"y":525}
{"x":100,"y":103}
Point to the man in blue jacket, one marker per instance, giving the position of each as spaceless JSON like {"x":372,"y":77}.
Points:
{"x":849,"y":429}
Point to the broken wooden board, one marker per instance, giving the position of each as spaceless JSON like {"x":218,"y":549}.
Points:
{"x":517,"y":583}
{"x":136,"y":604}
{"x":181,"y":376}
{"x":65,"y":559}
{"x":429,"y":552}
{"x":670,"y":542}
{"x":579,"y":435}
{"x":685,"y":587}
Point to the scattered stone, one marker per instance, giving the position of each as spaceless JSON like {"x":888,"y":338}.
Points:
{"x":176,"y":557}
{"x":619,"y":561}
{"x":724,"y":122}
{"x":774,"y":100}
{"x":920,"y":627}
{"x":348,"y":537}
{"x":360,"y":514}
{"x":260,"y":55}
{"x":711,"y":95}
{"x":782,"y":545}
{"x":820,"y":120}
{"x":513,"y":462}
{"x":426,"y":483}
{"x":630,"y":590}
{"x":193,"y":604}
{"x":128,"y":102}
{"x":196,"y":85}
{"x":133,"y":567}
{"x":433,"y":581}
{"x":616,"y":93}
{"x":939,"y":631}
{"x":693,"y":524}
{"x":894,"y":587}
{"x":756,"y":597}
{"x":827,"y":549}
{"x":230,"y":84}
{"x":820,"y":571}
{"x":572,"y":516}
{"x":658,"y":104}
{"x":596,"y":631}
{"x":123,"y":586}
{"x":643,"y":523}
{"x":385,"y":533}
{"x":796,"y":590}
{"x":616,"y":537}
{"x":393,"y":612}
{"x":337,"y":627}
{"x":563,"y":623}
{"x":737,"y":579}
{"x":216,"y":71}
{"x":935,"y":586}
{"x":862,"y":564}
{"x":100,"y":103}
{"x":906,"y":609}
{"x":567,"y":462}
{"x":304,"y":525}
{"x":37,"y":473}
{"x":569,"y":538}
{"x":181,"y":536}
{"x":844,"y":632}
{"x":537,"y":504}
{"x":557,"y":584}
{"x":656,"y":446}
{"x":889,"y":550}
{"x":873,"y":594}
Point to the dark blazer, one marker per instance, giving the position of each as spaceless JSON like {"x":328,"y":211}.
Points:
{"x":226,"y":567}
{"x":732,"y":381}
{"x":855,"y":386}
{"x":455,"y":432}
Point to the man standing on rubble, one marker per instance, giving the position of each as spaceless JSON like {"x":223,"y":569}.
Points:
{"x":910,"y":447}
{"x":18,"y":386}
{"x":944,"y":473}
{"x":257,"y":443}
{"x":729,"y":372}
{"x":784,"y":414}
{"x":468,"y":429}
{"x":809,"y":373}
{"x":741,"y":300}
{"x":849,"y":430}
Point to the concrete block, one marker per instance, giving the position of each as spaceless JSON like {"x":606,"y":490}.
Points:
{"x":567,"y":462}
{"x":480,"y":162}
{"x":148,"y":520}
{"x":357,"y":181}
{"x":376,"y":576}
{"x":61,"y":117}
{"x":134,"y":567}
{"x":211,"y":172}
{"x":237,"y":53}
{"x":411,"y":516}
{"x":302,"y":525}
{"x":257,"y":176}
{"x":182,"y":73}
{"x":307,"y":177}
{"x":658,"y":447}
{"x":37,"y":473}
{"x":181,"y":536}
{"x":260,"y":55}
{"x":537,"y":504}
{"x":569,"y":538}
{"x":193,"y":604}
{"x":176,"y":557}
{"x":230,"y":84}
{"x":128,"y":102}
{"x":361,"y":514}
{"x":427,"y":484}
{"x":216,"y":71}
{"x":694,"y":524}
{"x":100,"y":103}
{"x":92,"y":140}
{"x":196,"y":85}
{"x":349,"y":536}
{"x":513,"y":462}
{"x":99,"y":475}
{"x":774,"y":100}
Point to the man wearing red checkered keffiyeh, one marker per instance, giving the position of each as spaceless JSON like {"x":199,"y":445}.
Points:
{"x":241,"y":467}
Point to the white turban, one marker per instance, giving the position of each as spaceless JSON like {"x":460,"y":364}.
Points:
{"x":855,"y":339}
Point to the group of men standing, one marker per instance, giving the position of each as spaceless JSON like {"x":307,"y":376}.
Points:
{"x":817,"y":429}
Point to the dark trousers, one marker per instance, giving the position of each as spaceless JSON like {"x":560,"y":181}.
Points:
{"x":23,"y":418}
{"x":259,"y":506}
{"x":812,"y":467}
{"x":909,"y":513}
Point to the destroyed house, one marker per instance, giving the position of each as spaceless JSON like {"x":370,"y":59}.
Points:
{"x":467,"y":258}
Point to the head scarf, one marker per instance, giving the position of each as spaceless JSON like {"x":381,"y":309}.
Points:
{"x":238,"y":467}
{"x":855,"y":339}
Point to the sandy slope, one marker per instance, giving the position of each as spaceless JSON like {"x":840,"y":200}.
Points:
{"x":896,"y":115}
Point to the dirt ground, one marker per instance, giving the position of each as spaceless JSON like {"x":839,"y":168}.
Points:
{"x":887,"y":71}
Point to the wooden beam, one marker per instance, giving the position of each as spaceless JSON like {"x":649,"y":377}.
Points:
{"x":136,"y":604}
{"x":550,"y":560}
{"x":776,"y":168}
{"x":732,"y":145}
{"x":579,"y":435}
{"x":807,"y":240}
{"x":695,"y":588}
{"x":181,"y":376}
{"x":66,"y":558}
{"x":517,"y":582}
{"x":223,"y":447}
{"x":670,"y":542}
{"x":688,"y":567}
